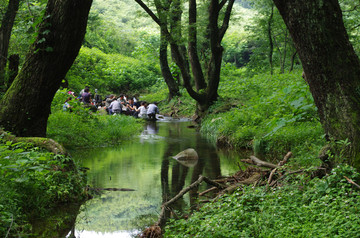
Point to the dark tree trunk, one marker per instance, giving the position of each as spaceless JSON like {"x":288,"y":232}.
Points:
{"x":5,"y":34}
{"x":271,"y":44}
{"x":171,"y":82}
{"x":25,"y":107}
{"x":193,"y":50}
{"x":332,"y":69}
{"x":293,"y":57}
{"x":14,"y":61}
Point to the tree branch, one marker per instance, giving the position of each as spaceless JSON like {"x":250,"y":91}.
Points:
{"x":226,"y":20}
{"x":148,"y":11}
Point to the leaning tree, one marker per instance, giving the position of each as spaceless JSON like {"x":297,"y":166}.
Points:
{"x":25,"y":107}
{"x":331,"y":67}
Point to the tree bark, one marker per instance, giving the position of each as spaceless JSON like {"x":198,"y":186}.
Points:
{"x":271,"y":44}
{"x":5,"y":34}
{"x":26,"y":105}
{"x":330,"y":64}
{"x":193,"y":50}
{"x":14,"y":61}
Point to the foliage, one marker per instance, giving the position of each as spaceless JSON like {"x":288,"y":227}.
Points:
{"x":325,"y":207}
{"x":271,"y":114}
{"x":111,"y":73}
{"x":32,"y":182}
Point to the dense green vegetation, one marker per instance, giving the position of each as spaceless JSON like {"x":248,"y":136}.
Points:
{"x":303,"y":207}
{"x":264,"y":105}
{"x":27,"y":172}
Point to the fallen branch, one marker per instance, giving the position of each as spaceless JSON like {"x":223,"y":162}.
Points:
{"x":271,"y":175}
{"x":352,"y":182}
{"x":207,"y":191}
{"x":162,"y":218}
{"x":285,"y":159}
{"x":251,"y":180}
{"x":262,"y":163}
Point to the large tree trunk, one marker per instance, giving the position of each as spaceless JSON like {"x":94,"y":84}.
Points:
{"x":332,"y":69}
{"x":5,"y":33}
{"x":26,"y":105}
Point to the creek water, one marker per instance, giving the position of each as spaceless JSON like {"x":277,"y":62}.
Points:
{"x":145,"y":164}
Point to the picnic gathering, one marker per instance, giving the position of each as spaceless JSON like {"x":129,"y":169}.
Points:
{"x":113,"y":104}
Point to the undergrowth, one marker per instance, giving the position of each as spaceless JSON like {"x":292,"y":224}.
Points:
{"x":32,"y":182}
{"x":327,"y":207}
{"x":268,"y":114}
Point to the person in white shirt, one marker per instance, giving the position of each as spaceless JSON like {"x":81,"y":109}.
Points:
{"x":141,"y":112}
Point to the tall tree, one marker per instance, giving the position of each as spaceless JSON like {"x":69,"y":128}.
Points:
{"x":206,"y":79}
{"x":331,"y":67}
{"x":5,"y":33}
{"x":25,"y":107}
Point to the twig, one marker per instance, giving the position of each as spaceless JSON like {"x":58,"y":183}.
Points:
{"x":207,"y":191}
{"x":352,"y":182}
{"x":12,"y":221}
{"x":271,"y":176}
{"x":285,"y":159}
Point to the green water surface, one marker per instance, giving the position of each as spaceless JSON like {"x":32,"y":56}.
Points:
{"x":145,"y":164}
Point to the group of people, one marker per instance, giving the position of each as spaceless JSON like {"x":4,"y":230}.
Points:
{"x":131,"y":106}
{"x":115,"y":105}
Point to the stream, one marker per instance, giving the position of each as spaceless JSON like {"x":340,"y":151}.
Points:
{"x":145,"y":164}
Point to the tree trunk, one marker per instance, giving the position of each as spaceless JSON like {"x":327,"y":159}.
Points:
{"x":14,"y":61}
{"x":5,"y":34}
{"x":331,"y":67}
{"x":26,"y":105}
{"x":165,"y":69}
{"x":271,"y":44}
{"x":193,"y":50}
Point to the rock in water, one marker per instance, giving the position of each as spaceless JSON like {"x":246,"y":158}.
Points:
{"x":188,"y":157}
{"x":188,"y":154}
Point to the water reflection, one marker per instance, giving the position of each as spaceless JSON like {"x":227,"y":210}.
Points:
{"x":146,"y":165}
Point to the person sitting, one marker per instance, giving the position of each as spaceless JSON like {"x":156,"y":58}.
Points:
{"x":115,"y":107}
{"x":152,"y":110}
{"x":131,"y":107}
{"x":86,"y":96}
{"x":108,"y":101}
{"x":141,"y":111}
{"x":67,"y":106}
